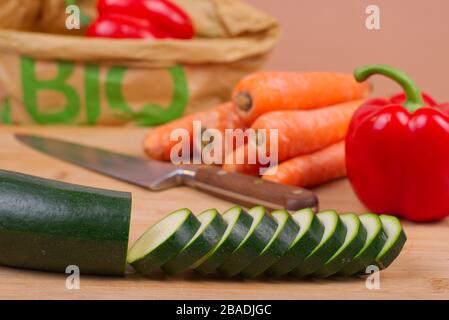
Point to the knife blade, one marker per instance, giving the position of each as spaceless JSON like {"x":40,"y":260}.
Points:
{"x":157,"y":175}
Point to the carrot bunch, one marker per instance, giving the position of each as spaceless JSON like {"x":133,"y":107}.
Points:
{"x":310,"y":111}
{"x":158,"y":143}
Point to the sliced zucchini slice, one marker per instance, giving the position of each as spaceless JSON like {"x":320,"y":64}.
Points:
{"x":261,"y":231}
{"x":375,"y":239}
{"x":286,"y":232}
{"x":395,"y":241}
{"x":238,"y":224}
{"x":333,"y":237}
{"x":354,"y":241}
{"x":163,"y":241}
{"x":206,"y":237}
{"x":309,"y":236}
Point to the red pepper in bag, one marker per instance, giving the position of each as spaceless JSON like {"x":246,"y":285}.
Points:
{"x":164,"y":18}
{"x":397,"y":151}
{"x":122,"y":27}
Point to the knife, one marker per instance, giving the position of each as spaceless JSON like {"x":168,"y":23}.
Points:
{"x":157,"y":175}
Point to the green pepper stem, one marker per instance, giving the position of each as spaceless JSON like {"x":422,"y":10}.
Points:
{"x":413,"y":95}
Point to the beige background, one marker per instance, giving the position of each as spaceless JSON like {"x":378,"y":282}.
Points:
{"x":331,"y":35}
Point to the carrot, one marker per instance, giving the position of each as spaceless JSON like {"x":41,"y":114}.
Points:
{"x":302,"y":132}
{"x":299,"y":132}
{"x":312,"y":169}
{"x":264,"y":92}
{"x":232,"y":163}
{"x":157,"y":144}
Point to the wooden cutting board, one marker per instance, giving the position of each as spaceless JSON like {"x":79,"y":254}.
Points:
{"x":421,"y":271}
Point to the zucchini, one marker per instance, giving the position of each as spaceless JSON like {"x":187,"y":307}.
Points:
{"x":309,"y":235}
{"x":206,"y":237}
{"x":286,"y":232}
{"x":333,"y":237}
{"x":396,"y":239}
{"x":262,"y":230}
{"x":354,"y":241}
{"x":163,"y":241}
{"x":238,"y":225}
{"x":375,"y":240}
{"x":49,"y":225}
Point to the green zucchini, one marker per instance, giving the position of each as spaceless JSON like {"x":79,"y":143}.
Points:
{"x":375,"y":240}
{"x":309,"y":236}
{"x":49,"y":225}
{"x":286,"y":232}
{"x":354,"y":241}
{"x":333,"y":237}
{"x":163,"y":241}
{"x":396,"y":239}
{"x":238,"y":224}
{"x":206,"y":237}
{"x":262,"y":230}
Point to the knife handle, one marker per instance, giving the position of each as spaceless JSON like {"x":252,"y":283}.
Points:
{"x":251,"y":191}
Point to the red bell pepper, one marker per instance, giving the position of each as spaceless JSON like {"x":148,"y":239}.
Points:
{"x":397,"y":151}
{"x":163,"y":15}
{"x":123,"y":27}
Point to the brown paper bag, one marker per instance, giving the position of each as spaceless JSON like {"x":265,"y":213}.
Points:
{"x":59,"y":79}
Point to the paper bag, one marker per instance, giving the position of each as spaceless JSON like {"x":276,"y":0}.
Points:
{"x":67,"y":79}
